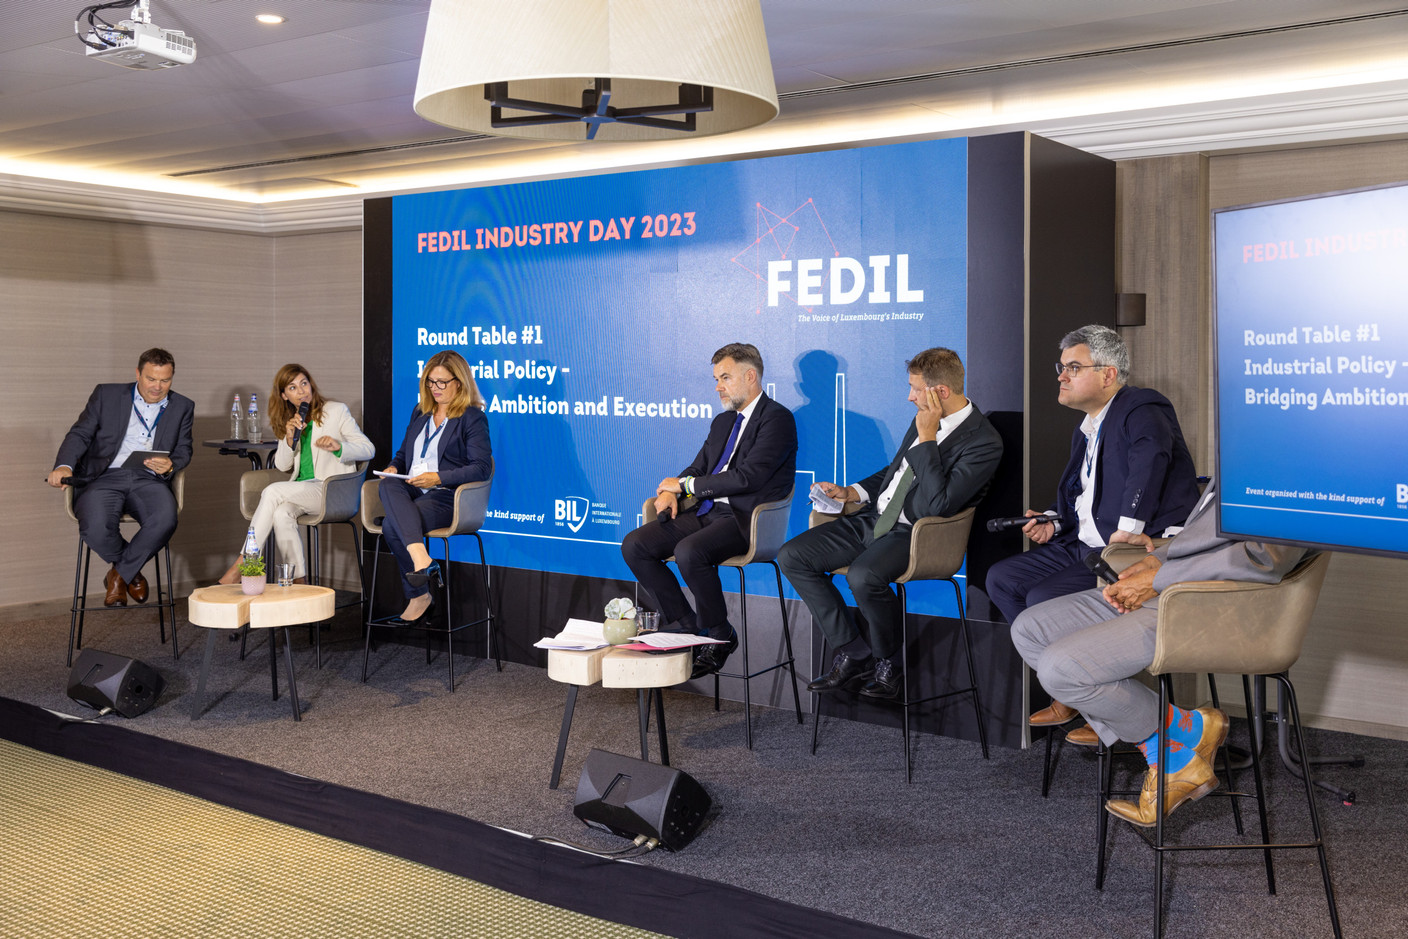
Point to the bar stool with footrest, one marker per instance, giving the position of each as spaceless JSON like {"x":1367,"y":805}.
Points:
{"x":165,"y":598}
{"x":341,"y":497}
{"x":767,"y":530}
{"x":936,"y":550}
{"x":471,"y":506}
{"x":1228,"y":627}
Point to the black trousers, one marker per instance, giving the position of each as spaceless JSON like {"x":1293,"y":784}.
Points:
{"x":100,"y":506}
{"x":698,"y":543}
{"x":807,"y":560}
{"x":1047,"y":571}
{"x":410,"y":513}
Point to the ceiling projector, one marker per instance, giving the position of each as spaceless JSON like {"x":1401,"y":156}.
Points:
{"x":135,"y":42}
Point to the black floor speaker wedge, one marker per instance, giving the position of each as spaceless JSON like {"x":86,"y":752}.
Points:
{"x":632,"y":797}
{"x":105,"y":681}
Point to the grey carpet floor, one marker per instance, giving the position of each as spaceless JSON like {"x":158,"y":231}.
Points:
{"x":970,"y":849}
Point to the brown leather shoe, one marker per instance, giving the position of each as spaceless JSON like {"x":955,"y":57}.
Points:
{"x":117,"y":589}
{"x":1051,"y":716}
{"x":1189,"y":784}
{"x":1083,"y":736}
{"x":137,"y":590}
{"x":1214,"y":734}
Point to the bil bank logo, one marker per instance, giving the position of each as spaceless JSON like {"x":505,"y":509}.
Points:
{"x":571,"y":512}
{"x":1403,"y":495}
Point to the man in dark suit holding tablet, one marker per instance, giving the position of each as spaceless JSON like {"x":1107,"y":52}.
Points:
{"x":118,"y":421}
{"x":749,"y":457}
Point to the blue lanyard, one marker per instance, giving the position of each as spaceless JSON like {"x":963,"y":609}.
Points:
{"x":1090,"y":449}
{"x":429,"y":437}
{"x":151,"y":430}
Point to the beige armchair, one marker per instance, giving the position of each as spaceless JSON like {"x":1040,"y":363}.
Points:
{"x":1229,"y":627}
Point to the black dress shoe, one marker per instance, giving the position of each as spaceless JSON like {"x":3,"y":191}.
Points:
{"x":425,"y":575}
{"x":709,"y":659}
{"x":420,"y":622}
{"x":846,"y":672}
{"x":887,"y":683}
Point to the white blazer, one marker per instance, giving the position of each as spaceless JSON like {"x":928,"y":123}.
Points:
{"x":337,"y":422}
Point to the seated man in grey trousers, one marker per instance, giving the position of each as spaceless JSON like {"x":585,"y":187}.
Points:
{"x":944,"y":465}
{"x":1087,"y":647}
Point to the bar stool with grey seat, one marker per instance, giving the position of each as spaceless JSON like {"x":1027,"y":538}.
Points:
{"x":340,"y":499}
{"x":767,"y":530}
{"x":471,"y":506}
{"x":937,"y":547}
{"x":165,"y":598}
{"x":1228,"y":627}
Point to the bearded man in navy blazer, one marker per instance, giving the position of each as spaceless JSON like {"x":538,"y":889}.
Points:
{"x":1130,"y":474}
{"x":944,"y":464}
{"x":749,"y":457}
{"x":119,"y":420}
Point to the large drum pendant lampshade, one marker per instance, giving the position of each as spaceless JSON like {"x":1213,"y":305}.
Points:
{"x":596,"y":69}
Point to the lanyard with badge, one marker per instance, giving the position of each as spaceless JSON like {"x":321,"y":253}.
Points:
{"x":1091,"y":448}
{"x":150,"y":428}
{"x":422,"y":465}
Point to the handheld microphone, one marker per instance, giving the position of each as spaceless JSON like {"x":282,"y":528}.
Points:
{"x":1002,"y":524}
{"x":302,"y":416}
{"x":665,"y":514}
{"x":1100,"y":567}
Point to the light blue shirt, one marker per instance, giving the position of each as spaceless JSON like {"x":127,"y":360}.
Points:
{"x":426,"y":454}
{"x":137,"y":436}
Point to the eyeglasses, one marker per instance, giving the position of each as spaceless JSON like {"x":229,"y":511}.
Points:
{"x":1075,"y":367}
{"x":440,"y":385}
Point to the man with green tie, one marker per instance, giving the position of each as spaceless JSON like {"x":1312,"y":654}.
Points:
{"x":944,"y":465}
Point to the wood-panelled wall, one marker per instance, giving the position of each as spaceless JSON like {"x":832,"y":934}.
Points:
{"x":83,"y":298}
{"x":1355,"y":662}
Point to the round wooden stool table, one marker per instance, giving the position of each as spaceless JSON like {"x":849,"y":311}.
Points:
{"x":619,"y":668}
{"x":227,"y":606}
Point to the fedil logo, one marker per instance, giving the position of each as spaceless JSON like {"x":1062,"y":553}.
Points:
{"x":572,"y":512}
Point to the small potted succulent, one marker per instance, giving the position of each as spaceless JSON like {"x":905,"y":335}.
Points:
{"x":620,"y":625}
{"x":252,"y":575}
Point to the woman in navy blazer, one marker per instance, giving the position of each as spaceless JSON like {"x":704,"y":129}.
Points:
{"x":446,"y":445}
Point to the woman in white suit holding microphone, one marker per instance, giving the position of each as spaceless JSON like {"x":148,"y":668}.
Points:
{"x":327,"y":443}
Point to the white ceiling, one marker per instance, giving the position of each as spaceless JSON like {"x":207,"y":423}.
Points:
{"x":320,"y":107}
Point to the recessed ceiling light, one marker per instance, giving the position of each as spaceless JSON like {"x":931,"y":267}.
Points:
{"x":270,"y":19}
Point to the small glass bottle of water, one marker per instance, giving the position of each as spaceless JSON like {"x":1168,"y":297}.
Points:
{"x":251,"y":545}
{"x":251,"y":426}
{"x":236,"y":420}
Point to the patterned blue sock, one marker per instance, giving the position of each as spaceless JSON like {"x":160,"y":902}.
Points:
{"x":1186,"y":727}
{"x":1179,"y":754}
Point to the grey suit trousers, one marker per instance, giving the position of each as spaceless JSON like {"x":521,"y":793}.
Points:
{"x":1085,"y":654}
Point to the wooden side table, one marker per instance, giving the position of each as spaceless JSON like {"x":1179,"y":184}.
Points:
{"x":618,"y":668}
{"x":227,"y":606}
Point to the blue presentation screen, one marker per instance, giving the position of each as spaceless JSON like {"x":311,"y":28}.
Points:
{"x":589,"y":310}
{"x":1312,"y":370}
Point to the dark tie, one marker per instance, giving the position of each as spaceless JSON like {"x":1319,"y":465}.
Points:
{"x":892,"y":508}
{"x":708,"y":504}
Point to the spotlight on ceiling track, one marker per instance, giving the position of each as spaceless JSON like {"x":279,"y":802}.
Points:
{"x":596,"y":69}
{"x":136,"y":42}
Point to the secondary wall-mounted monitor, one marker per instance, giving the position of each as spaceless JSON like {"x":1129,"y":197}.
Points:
{"x":1311,"y":326}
